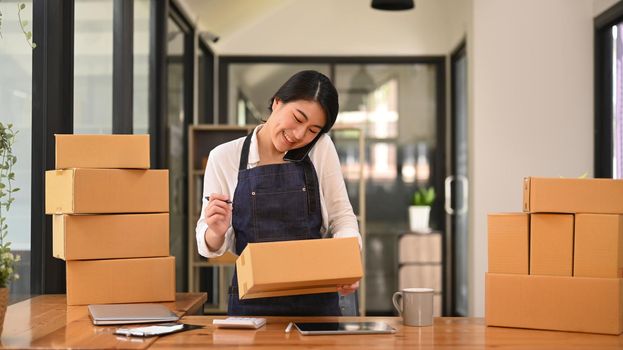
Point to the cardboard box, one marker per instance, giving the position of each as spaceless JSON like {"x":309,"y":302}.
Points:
{"x":551,"y":244}
{"x":88,"y":237}
{"x":576,"y":304}
{"x":102,"y":151}
{"x":120,"y":281}
{"x":509,"y":242}
{"x":555,"y":195}
{"x":424,"y":248}
{"x":598,"y":249}
{"x":94,"y":191}
{"x":297,"y":267}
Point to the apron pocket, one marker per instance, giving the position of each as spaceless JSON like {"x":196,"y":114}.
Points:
{"x":280,"y":216}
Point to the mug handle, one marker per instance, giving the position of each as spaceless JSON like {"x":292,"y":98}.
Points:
{"x":397,"y":300}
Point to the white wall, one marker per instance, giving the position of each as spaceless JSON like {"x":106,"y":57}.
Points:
{"x":532,"y":82}
{"x":345,"y":27}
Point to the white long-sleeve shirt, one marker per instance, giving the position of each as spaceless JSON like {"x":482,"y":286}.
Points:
{"x":221,"y":176}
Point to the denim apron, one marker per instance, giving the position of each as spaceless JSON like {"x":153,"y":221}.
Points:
{"x":277,"y":202}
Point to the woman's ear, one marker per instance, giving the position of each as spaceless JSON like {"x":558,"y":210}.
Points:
{"x":276,"y":103}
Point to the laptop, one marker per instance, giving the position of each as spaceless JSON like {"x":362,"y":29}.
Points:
{"x":106,"y":314}
{"x":324,"y":328}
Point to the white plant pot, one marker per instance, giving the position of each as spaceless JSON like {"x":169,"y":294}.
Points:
{"x":418,"y":218}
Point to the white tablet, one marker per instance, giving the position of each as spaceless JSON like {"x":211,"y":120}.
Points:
{"x":343,"y":328}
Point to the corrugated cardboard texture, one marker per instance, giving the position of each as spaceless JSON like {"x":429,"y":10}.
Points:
{"x":83,"y":237}
{"x":557,"y":303}
{"x":298,"y":267}
{"x":598,"y":248}
{"x":120,"y":281}
{"x":509,"y":241}
{"x":555,"y":195}
{"x":551,"y":244}
{"x":94,"y":191}
{"x":102,"y":151}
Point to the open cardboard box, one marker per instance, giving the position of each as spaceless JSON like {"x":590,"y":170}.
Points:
{"x":298,"y":267}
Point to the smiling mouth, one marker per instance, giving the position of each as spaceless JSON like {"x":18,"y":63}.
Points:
{"x":288,"y":140}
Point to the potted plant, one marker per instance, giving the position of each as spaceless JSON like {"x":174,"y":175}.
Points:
{"x":7,"y":259}
{"x":419,"y":212}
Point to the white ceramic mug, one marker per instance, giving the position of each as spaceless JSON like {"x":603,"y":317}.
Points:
{"x":415,"y":306}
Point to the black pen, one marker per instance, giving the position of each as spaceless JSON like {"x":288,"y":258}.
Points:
{"x":227,"y":201}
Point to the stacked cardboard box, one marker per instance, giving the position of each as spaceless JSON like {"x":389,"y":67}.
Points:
{"x":110,"y":220}
{"x":559,"y":264}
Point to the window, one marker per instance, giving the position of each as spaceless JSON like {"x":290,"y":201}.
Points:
{"x":93,"y":65}
{"x":16,"y":108}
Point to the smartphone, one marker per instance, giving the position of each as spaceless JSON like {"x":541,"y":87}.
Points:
{"x":298,"y":154}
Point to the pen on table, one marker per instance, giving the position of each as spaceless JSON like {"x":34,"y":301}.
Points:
{"x":289,"y":327}
{"x":227,"y":201}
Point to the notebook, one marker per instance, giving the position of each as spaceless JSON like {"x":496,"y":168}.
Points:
{"x":105,"y":314}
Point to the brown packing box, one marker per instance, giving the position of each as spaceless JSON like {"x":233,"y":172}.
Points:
{"x":555,"y":195}
{"x":94,"y":191}
{"x":298,"y":267}
{"x":84,"y":237}
{"x":102,"y":151}
{"x":551,"y":244}
{"x":509,"y":241}
{"x":598,"y":248}
{"x":576,"y":304}
{"x":120,"y":281}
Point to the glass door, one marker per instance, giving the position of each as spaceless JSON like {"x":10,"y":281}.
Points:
{"x":456,"y":202}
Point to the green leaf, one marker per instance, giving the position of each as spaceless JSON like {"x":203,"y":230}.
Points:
{"x":24,"y":23}
{"x":15,"y":189}
{"x":22,"y":6}
{"x":34,"y":46}
{"x":2,"y":185}
{"x":28,"y":35}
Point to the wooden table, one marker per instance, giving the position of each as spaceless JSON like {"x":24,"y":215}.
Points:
{"x":446,"y":333}
{"x":47,"y":322}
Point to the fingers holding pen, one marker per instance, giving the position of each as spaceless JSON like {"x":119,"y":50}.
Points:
{"x":218,"y":204}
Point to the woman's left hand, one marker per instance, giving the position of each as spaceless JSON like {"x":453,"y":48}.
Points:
{"x":345,"y":289}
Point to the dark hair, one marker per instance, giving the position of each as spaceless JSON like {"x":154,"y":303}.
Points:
{"x":310,"y":85}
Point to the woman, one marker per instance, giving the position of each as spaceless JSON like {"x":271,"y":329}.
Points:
{"x":281,"y":182}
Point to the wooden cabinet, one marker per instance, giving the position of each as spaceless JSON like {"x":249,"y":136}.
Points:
{"x":207,"y":275}
{"x":420,"y":264}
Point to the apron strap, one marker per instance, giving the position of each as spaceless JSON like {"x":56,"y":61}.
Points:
{"x":244,"y":156}
{"x":310,"y":184}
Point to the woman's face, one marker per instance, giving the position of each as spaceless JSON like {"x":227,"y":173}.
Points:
{"x":295,"y":124}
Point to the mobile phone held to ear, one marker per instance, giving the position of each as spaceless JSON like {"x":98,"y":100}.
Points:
{"x":298,"y":154}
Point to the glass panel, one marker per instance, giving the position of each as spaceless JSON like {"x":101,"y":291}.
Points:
{"x":16,"y":102}
{"x":617,"y":101}
{"x":175,"y":145}
{"x":460,"y":221}
{"x":395,"y":105}
{"x":93,"y":62}
{"x":140,"y":103}
{"x":252,"y":85}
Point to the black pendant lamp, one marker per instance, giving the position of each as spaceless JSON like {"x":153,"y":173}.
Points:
{"x":393,"y":5}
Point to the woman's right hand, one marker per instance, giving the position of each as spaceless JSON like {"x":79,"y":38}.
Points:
{"x":218,"y":216}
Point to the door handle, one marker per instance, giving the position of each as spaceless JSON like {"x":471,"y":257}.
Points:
{"x":448,"y":194}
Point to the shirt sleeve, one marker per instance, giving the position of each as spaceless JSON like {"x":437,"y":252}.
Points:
{"x":342,"y":221}
{"x":214,"y":181}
